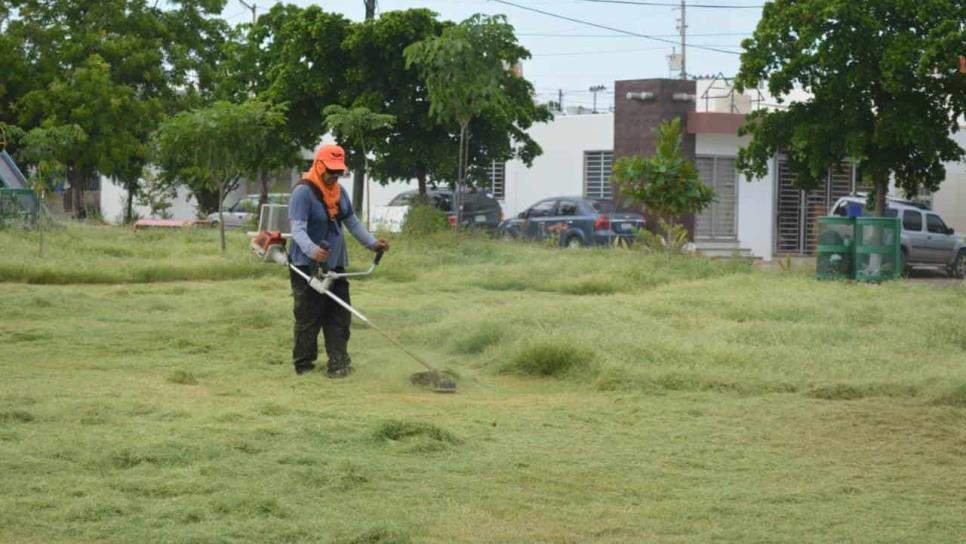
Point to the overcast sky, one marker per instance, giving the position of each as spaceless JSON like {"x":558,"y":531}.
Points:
{"x":572,"y":56}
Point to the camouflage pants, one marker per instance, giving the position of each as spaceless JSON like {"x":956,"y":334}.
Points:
{"x":314,"y":312}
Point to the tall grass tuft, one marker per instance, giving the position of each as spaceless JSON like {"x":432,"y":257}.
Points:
{"x":379,"y":535}
{"x":480,"y":337}
{"x":182,"y":377}
{"x":955,"y":396}
{"x":549,"y":358}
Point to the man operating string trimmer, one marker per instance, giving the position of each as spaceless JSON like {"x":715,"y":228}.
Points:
{"x":317,"y":210}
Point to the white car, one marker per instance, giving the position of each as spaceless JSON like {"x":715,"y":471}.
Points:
{"x":242,"y":212}
{"x":480,"y":209}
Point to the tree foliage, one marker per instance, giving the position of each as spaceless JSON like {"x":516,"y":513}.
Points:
{"x":666,"y":183}
{"x":110,"y":67}
{"x":884,"y":84}
{"x":210,"y":148}
{"x":467,"y":74}
{"x":357,"y":129}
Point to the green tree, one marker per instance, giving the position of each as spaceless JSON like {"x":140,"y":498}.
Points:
{"x":47,"y":149}
{"x":209,"y":149}
{"x":666,"y":183}
{"x":884,"y":84}
{"x":467,"y":75}
{"x":416,"y":146}
{"x":116,"y":124}
{"x":357,"y":129}
{"x":90,"y":62}
{"x":289,"y":56}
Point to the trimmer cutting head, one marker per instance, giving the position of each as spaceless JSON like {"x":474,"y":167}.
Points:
{"x":440,"y":382}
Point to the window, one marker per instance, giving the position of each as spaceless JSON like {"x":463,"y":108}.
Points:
{"x":912,"y":220}
{"x":542,"y":209}
{"x":496,"y":173}
{"x":935,"y":224}
{"x":567,"y":208}
{"x":602,"y":206}
{"x":597,"y":170}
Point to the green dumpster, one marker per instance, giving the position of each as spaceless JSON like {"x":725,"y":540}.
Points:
{"x":836,"y":237}
{"x":878,"y":253}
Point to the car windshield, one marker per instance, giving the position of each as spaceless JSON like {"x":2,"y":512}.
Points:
{"x":404,"y":199}
{"x":408,"y":199}
{"x":602,"y":206}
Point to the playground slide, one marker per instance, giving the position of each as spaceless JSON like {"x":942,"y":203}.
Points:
{"x":12,"y":178}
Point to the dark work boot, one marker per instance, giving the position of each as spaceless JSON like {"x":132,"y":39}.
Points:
{"x":339,"y":367}
{"x":304,"y":369}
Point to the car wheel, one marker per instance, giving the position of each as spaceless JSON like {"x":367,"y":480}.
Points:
{"x":904,"y":263}
{"x":958,"y":269}
{"x":574,"y":242}
{"x":508,"y":235}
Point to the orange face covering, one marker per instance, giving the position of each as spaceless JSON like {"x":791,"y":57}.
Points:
{"x":331,"y":194}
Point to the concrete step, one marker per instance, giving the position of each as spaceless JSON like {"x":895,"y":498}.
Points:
{"x":721,"y":249}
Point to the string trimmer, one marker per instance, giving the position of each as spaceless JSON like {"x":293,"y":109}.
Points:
{"x":270,"y":246}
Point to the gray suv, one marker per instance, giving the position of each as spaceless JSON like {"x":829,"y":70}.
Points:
{"x":926,"y":240}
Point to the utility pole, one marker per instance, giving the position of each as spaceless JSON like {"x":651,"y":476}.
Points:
{"x":596,"y":89}
{"x":253,"y":7}
{"x":370,"y":9}
{"x":683,"y":27}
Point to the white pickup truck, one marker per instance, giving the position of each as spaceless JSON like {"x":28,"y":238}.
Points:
{"x":926,"y":240}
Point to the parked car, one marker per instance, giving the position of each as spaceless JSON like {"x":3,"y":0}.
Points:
{"x":578,"y":221}
{"x":926,"y":240}
{"x":243,"y":211}
{"x":480,"y":209}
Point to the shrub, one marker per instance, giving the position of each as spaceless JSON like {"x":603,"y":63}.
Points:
{"x":424,"y":219}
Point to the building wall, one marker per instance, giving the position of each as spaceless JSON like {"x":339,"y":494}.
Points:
{"x":950,"y":199}
{"x":559,"y":170}
{"x":635,"y":121}
{"x":756,"y":198}
{"x":113,"y":200}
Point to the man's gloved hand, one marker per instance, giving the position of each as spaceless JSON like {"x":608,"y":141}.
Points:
{"x":321,"y":254}
{"x":381,"y":245}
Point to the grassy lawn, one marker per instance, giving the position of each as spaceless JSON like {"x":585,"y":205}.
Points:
{"x":604,"y":396}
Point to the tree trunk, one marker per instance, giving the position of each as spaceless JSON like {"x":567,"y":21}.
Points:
{"x":358,"y":189}
{"x":365,"y":170}
{"x":460,"y":175}
{"x":221,"y":218}
{"x":881,"y":190}
{"x":76,"y":180}
{"x":263,"y":196}
{"x":129,"y":210}
{"x":421,"y":181}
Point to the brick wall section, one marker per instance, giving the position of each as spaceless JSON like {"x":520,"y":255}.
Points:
{"x":635,"y":121}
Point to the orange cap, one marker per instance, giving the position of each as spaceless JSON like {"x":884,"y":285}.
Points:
{"x":332,"y":156}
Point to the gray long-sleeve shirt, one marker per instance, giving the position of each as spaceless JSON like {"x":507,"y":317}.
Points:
{"x":311,"y":224}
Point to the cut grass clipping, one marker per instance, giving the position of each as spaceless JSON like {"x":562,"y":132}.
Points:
{"x":550,"y":358}
{"x":394,"y":430}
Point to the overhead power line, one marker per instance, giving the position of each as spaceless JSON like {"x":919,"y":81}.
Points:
{"x":611,"y":51}
{"x":610,"y":28}
{"x":673,"y":5}
{"x":552,"y":35}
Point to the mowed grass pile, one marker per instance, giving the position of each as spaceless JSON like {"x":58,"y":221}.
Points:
{"x":604,"y":396}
